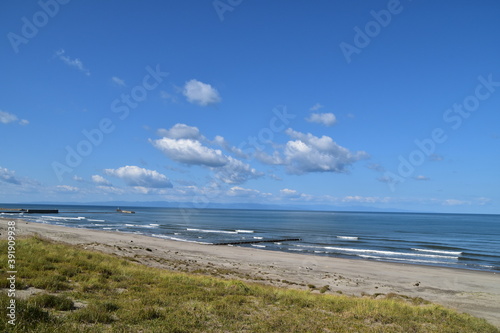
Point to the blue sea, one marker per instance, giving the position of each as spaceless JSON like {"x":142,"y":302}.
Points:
{"x":449,"y":240}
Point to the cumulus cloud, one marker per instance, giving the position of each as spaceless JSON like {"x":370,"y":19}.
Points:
{"x":100,"y":180}
{"x":185,"y":144}
{"x":236,"y":172}
{"x":6,"y":118}
{"x":308,"y":153}
{"x":327,"y":119}
{"x":9,"y":176}
{"x":119,"y":82}
{"x":76,"y":63}
{"x":180,"y":131}
{"x":140,"y":177}
{"x":190,"y":151}
{"x":200,"y":93}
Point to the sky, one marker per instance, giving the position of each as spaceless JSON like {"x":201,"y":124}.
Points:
{"x":386,"y":105}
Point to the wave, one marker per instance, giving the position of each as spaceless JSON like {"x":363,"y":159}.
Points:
{"x":439,"y":251}
{"x":258,"y":245}
{"x":93,"y":220}
{"x":347,"y":237}
{"x":179,"y":239}
{"x":245,"y":231}
{"x":64,"y":218}
{"x":405,"y":259}
{"x":154,"y":224}
{"x":214,"y":231}
{"x":387,"y":253}
{"x":258,"y":237}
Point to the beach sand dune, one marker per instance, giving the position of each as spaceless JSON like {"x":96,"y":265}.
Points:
{"x":473,"y":292}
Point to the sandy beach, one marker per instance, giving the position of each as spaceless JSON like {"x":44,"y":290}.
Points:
{"x":473,"y":292}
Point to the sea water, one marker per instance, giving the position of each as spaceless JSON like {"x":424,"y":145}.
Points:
{"x":450,"y":240}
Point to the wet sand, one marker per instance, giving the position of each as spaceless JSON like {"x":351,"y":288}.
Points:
{"x":473,"y":292}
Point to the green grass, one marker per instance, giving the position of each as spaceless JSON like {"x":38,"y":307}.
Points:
{"x":87,"y":291}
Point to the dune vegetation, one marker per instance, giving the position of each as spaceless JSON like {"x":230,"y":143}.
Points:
{"x":76,"y":290}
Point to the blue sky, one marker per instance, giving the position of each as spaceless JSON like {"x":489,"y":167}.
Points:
{"x":385,"y":104}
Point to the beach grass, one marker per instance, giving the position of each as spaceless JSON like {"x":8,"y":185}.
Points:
{"x":87,"y":291}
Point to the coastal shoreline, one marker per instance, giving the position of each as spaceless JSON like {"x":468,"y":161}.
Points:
{"x":469,"y":291}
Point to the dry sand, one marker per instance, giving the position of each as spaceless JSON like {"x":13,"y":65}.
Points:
{"x":473,"y":292}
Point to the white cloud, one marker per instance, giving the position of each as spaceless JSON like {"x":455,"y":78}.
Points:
{"x":9,"y":176}
{"x":78,"y":179}
{"x":237,"y":191}
{"x":362,"y":199}
{"x":455,"y":202}
{"x":308,"y":153}
{"x":167,"y":96}
{"x":67,"y":188}
{"x":100,"y":180}
{"x":421,"y":177}
{"x":219,"y":140}
{"x":140,"y":177}
{"x":201,"y":93}
{"x":327,"y":119}
{"x":76,"y":63}
{"x":6,"y":118}
{"x":316,"y":107}
{"x":181,"y":131}
{"x":119,"y":82}
{"x":288,"y":193}
{"x":436,"y":157}
{"x":376,"y":167}
{"x":236,"y":172}
{"x":190,"y":151}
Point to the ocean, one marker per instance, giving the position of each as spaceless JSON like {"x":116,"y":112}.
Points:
{"x":449,"y":240}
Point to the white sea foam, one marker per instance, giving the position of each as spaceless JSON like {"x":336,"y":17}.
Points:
{"x":214,"y":231}
{"x":93,"y":220}
{"x":178,"y":239}
{"x":64,"y":218}
{"x":439,"y":251}
{"x":405,"y":259}
{"x":255,"y":237}
{"x":245,"y":231}
{"x":258,"y":245}
{"x":347,"y":237}
{"x":277,"y":243}
{"x":291,"y":249}
{"x":385,"y":253}
{"x":154,"y":224}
